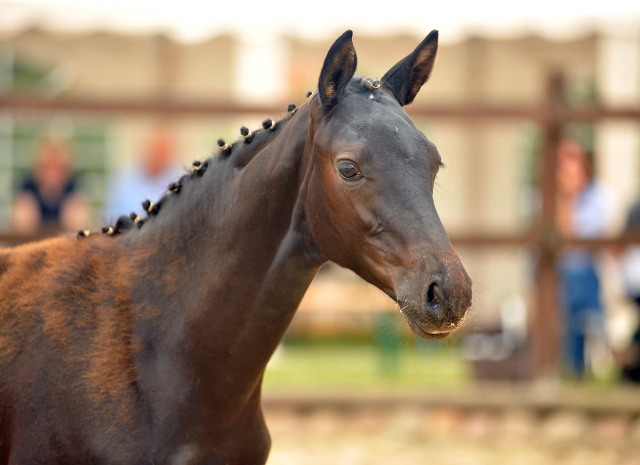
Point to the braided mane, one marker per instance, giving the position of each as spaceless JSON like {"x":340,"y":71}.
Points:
{"x":236,"y":155}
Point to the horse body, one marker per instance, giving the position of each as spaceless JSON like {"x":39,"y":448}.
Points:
{"x":63,"y":353}
{"x":150,"y":347}
{"x":139,"y":347}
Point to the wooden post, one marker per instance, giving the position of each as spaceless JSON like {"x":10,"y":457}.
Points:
{"x":546,"y":323}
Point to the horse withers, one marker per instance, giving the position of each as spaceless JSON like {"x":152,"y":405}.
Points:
{"x":148,"y":343}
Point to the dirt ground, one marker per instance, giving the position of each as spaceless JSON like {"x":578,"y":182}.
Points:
{"x":452,"y":436}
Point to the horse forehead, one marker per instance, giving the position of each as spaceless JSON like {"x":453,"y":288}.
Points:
{"x":384,"y":133}
{"x":371,"y":120}
{"x":378,"y":108}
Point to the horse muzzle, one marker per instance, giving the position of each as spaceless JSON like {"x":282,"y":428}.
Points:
{"x":436,"y":309}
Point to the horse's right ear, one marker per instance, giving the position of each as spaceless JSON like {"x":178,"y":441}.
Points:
{"x":337,"y":70}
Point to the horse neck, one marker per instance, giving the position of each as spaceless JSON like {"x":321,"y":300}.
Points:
{"x":227,"y":271}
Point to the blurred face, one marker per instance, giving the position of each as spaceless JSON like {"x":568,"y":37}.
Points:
{"x":159,"y":154}
{"x":52,"y":168}
{"x":573,"y":168}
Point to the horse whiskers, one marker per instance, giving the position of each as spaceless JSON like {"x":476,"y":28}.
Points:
{"x":403,"y":305}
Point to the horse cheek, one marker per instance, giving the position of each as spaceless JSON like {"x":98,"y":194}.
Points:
{"x":328,"y":216}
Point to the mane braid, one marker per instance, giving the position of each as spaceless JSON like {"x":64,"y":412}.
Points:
{"x":236,"y":155}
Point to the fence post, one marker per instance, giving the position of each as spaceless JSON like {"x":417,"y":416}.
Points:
{"x":546,"y":322}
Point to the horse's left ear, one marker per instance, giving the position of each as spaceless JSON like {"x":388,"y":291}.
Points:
{"x":406,"y":78}
{"x":337,"y":70}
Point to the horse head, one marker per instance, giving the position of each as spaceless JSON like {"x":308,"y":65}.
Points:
{"x":369,"y":188}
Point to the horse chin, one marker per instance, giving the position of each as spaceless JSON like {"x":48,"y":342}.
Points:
{"x":426,"y":331}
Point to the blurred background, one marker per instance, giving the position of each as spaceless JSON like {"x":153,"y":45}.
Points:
{"x":535,"y":111}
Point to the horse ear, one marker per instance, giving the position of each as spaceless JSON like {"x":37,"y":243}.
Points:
{"x":405,"y":79}
{"x":337,"y":70}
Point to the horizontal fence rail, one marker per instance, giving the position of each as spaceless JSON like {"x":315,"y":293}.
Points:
{"x":541,"y":114}
{"x":552,"y":114}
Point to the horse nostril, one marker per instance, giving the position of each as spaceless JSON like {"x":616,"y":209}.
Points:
{"x":434,"y":307}
{"x":432,"y":298}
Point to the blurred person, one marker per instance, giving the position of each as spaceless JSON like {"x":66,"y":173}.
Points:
{"x":146,"y":180}
{"x":48,"y":201}
{"x":581,"y":212}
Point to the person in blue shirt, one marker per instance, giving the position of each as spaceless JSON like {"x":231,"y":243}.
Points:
{"x":140,"y":181}
{"x":582,"y":212}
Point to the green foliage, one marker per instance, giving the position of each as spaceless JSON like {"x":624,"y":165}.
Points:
{"x":325,"y":365}
{"x":27,"y":75}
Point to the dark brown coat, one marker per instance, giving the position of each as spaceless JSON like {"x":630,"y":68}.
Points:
{"x":149,"y":346}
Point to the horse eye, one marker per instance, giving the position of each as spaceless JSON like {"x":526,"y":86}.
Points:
{"x":348,"y":170}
